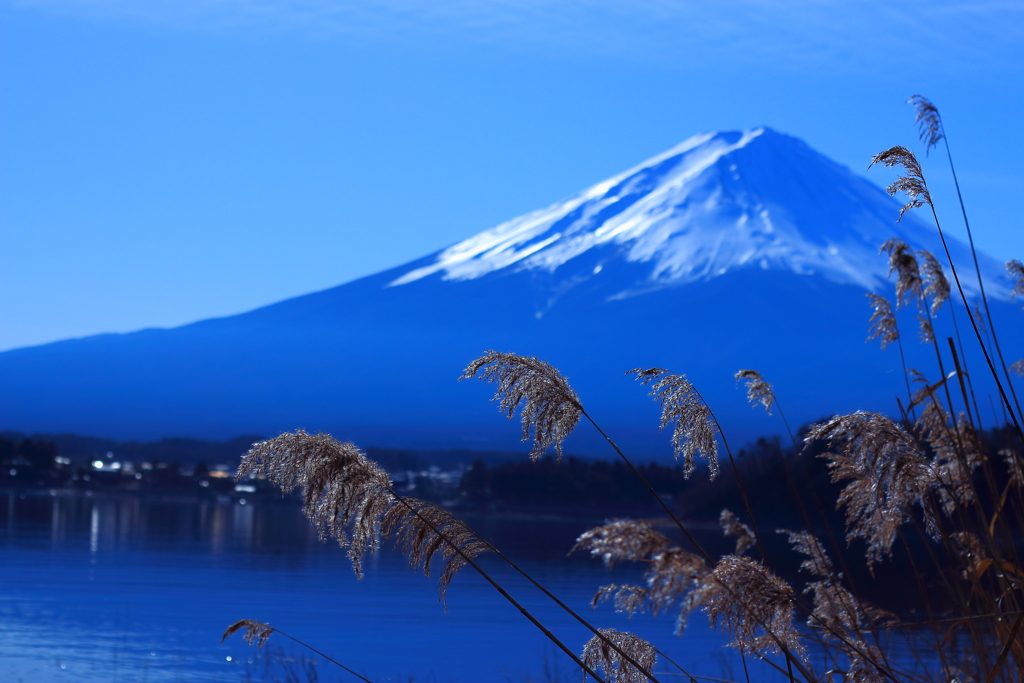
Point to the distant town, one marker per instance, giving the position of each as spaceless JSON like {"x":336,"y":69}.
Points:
{"x":39,"y":463}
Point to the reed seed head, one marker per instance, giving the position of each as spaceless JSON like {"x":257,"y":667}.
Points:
{"x":256,"y":633}
{"x":885,"y":473}
{"x":1014,"y":467}
{"x":1016,"y":271}
{"x":912,"y":183}
{"x":621,"y":539}
{"x":975,"y":559}
{"x":817,"y":562}
{"x":758,"y":390}
{"x":934,"y":277}
{"x":694,"y":426}
{"x":754,"y":606}
{"x":344,"y":493}
{"x":908,"y":275}
{"x":550,"y":407}
{"x":882,"y":321}
{"x":422,"y":530}
{"x":629,"y":599}
{"x":929,"y":123}
{"x":926,"y":329}
{"x":732,"y":526}
{"x":599,"y":654}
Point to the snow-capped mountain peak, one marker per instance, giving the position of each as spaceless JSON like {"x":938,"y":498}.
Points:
{"x":714,"y":203}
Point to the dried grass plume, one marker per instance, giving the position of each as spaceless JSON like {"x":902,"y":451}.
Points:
{"x":912,"y":183}
{"x":599,"y":654}
{"x":882,"y":321}
{"x":422,"y":530}
{"x":344,"y":493}
{"x":758,"y":390}
{"x":885,"y":473}
{"x":929,"y":123}
{"x":694,"y":426}
{"x":550,"y":407}
{"x":256,"y":633}
{"x":908,"y":275}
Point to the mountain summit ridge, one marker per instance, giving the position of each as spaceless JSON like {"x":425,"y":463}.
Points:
{"x":705,"y":207}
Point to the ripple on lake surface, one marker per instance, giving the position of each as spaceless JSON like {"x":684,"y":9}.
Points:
{"x":129,"y":589}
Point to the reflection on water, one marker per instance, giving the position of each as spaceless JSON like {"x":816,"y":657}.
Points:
{"x":138,"y":589}
{"x":113,"y":523}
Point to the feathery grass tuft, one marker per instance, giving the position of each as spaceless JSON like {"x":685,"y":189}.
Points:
{"x":883,"y":321}
{"x":422,"y":530}
{"x":912,"y":183}
{"x":908,"y":274}
{"x":256,"y":633}
{"x":885,"y":471}
{"x":758,"y":390}
{"x":936,"y":284}
{"x":598,"y":654}
{"x":1016,"y":271}
{"x":621,"y":539}
{"x":929,"y":123}
{"x":550,"y":409}
{"x":732,"y":526}
{"x":344,"y":493}
{"x":681,"y":405}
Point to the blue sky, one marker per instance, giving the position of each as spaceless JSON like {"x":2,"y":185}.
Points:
{"x":164,"y":161}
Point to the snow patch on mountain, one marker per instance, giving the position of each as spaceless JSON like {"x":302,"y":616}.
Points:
{"x":714,"y":203}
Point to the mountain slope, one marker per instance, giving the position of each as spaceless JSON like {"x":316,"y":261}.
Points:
{"x":732,"y":250}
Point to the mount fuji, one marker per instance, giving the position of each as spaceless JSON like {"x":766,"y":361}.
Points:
{"x":732,"y":250}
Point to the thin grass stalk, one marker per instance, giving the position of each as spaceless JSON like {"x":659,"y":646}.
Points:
{"x":258,"y":633}
{"x":977,"y":268}
{"x":570,"y":611}
{"x":1005,"y":651}
{"x":487,"y":577}
{"x":805,"y":518}
{"x":986,"y":468}
{"x":974,"y":325}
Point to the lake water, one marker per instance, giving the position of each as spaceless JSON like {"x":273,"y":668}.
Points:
{"x":134,"y":589}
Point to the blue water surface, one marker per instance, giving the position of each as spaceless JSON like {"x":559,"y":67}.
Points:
{"x":135,"y":589}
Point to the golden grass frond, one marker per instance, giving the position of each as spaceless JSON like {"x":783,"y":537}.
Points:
{"x":1014,"y":466}
{"x":1018,"y":368}
{"x":908,"y":274}
{"x":676,"y":575}
{"x":629,"y":599}
{"x":758,"y":390}
{"x":344,"y":493}
{"x":936,"y":284}
{"x":973,"y":554}
{"x":599,"y":654}
{"x":550,"y":407}
{"x":621,"y":539}
{"x":256,"y":633}
{"x":1016,"y":271}
{"x":885,"y":474}
{"x":882,"y":321}
{"x":924,"y":325}
{"x":732,"y":526}
{"x":423,"y":530}
{"x":817,"y":562}
{"x":754,"y":606}
{"x":912,"y":183}
{"x":694,"y":427}
{"x":929,"y":123}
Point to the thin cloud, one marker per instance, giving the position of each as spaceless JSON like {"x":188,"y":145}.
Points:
{"x":862,"y":35}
